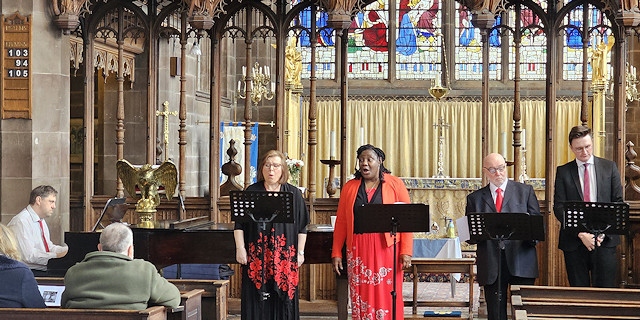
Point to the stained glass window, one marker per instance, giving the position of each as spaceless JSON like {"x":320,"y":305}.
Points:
{"x":325,"y":44}
{"x":368,"y":52}
{"x":468,"y":48}
{"x":600,"y":32}
{"x":419,"y":39}
{"x":533,"y":46}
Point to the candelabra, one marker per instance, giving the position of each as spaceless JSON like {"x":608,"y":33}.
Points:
{"x":259,"y":83}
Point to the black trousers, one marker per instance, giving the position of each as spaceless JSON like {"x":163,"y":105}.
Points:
{"x":497,"y":308}
{"x":597,"y":268}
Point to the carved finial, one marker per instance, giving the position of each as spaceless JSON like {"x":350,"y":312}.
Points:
{"x":231,"y":169}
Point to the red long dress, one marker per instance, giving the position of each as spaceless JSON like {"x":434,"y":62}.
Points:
{"x":370,"y":255}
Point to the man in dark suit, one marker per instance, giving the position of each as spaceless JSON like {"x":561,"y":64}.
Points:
{"x":599,"y":183}
{"x":519,"y":261}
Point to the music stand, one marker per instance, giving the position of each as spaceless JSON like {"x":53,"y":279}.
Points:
{"x":596,"y":218}
{"x":112,"y":202}
{"x":504,"y":226}
{"x":262,"y":207}
{"x":394,"y":218}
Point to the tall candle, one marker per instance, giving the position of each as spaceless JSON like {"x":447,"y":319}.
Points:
{"x":361,"y":142}
{"x":503,"y":144}
{"x":524,"y":140}
{"x":332,"y":145}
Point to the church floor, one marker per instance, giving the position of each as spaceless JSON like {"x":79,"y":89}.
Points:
{"x":429,"y":291}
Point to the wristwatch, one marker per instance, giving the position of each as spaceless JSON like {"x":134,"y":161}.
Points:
{"x":301,"y":252}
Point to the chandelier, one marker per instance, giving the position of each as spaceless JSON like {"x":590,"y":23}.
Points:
{"x":259,"y":83}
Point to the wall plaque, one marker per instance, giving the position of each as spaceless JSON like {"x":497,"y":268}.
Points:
{"x":16,"y":66}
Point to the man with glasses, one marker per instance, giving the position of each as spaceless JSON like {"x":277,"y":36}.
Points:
{"x":518,"y":259}
{"x":589,"y":179}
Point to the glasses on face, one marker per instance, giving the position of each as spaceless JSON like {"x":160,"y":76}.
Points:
{"x":493,"y":170}
{"x":273,"y":165}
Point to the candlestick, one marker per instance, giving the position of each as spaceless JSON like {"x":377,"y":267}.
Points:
{"x":361,"y":142}
{"x":524,"y":139}
{"x":331,"y":189}
{"x":503,"y":144}
{"x":332,"y":145}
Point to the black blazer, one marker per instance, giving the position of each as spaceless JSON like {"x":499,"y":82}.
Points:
{"x":520,"y":255}
{"x":567,"y":188}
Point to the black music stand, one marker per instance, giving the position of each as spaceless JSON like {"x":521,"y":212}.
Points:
{"x":504,"y":226}
{"x":394,"y":218}
{"x":596,"y":218}
{"x":262,"y":207}
{"x":112,"y":202}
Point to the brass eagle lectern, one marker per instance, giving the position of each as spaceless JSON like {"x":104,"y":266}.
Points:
{"x":148,"y":179}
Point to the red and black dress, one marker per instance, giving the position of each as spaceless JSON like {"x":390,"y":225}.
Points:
{"x":272,"y":263}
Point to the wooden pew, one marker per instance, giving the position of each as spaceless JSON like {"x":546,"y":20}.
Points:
{"x":576,"y":303}
{"x":213,"y":298}
{"x":522,"y":315}
{"x":573,"y":294}
{"x":152,"y":313}
{"x":190,"y":306}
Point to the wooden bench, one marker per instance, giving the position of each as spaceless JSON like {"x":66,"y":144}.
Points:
{"x":152,"y":313}
{"x":573,"y":302}
{"x":522,"y":315}
{"x":214,"y":297}
{"x":462,"y":265}
{"x":213,"y":304}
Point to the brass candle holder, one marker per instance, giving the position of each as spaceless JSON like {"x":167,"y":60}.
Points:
{"x":331,"y":190}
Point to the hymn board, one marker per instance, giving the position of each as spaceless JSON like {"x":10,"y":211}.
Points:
{"x":16,"y":62}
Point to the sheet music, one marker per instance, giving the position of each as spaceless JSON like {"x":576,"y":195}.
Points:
{"x":463,"y":228}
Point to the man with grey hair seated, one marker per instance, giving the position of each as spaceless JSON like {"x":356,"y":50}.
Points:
{"x":111,"y":279}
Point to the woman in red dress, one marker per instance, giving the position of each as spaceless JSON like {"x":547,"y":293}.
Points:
{"x":370,"y":259}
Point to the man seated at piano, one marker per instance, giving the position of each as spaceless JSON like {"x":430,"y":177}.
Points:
{"x":32,"y":232}
{"x":111,"y":279}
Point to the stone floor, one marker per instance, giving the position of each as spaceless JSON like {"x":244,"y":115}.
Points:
{"x":430,"y":291}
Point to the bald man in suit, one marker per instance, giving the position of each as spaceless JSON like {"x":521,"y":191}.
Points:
{"x":604,"y":186}
{"x":519,"y":261}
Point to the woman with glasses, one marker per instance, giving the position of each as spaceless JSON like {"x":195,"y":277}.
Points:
{"x":271,"y":256}
{"x":370,"y":257}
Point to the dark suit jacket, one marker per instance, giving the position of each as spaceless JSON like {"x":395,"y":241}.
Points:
{"x":567,"y":188}
{"x":520,"y":255}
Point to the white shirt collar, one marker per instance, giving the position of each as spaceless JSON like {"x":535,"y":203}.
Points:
{"x":580,"y":163}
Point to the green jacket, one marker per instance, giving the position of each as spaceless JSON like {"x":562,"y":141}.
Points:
{"x":108,"y":280}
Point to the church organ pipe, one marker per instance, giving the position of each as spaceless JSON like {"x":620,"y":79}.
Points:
{"x":120,"y":112}
{"x":182,"y":114}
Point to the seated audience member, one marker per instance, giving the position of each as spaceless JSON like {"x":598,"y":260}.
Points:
{"x":32,"y":232}
{"x":111,"y":279}
{"x":19,"y":288}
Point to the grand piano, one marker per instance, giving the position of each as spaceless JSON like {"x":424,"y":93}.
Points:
{"x":205,"y":243}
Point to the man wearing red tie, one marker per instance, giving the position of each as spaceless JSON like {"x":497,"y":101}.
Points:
{"x":518,"y":260}
{"x":32,"y":232}
{"x":589,"y":179}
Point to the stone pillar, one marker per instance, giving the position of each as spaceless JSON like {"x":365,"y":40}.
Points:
{"x":36,"y":151}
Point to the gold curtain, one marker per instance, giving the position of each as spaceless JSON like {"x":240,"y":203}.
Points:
{"x":404,"y":129}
